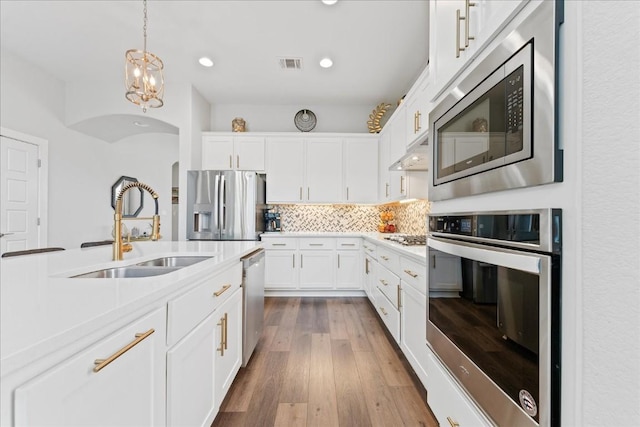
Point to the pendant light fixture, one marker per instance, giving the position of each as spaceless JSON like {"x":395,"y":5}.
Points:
{"x":143,"y":75}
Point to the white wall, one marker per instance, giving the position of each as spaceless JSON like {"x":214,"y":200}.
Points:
{"x":32,"y":102}
{"x":600,"y":202}
{"x":82,"y":169}
{"x":279,"y":118}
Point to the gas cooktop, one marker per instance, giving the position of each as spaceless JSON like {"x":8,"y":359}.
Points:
{"x":408,"y":239}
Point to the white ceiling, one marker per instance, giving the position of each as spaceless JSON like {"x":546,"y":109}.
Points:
{"x":378,"y":46}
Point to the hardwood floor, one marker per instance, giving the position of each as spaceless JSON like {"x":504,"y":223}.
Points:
{"x":325,"y":362}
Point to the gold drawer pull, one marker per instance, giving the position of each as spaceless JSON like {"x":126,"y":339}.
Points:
{"x":222,"y":290}
{"x":316,"y":244}
{"x":383,"y":311}
{"x":411,"y":273}
{"x":384,"y":282}
{"x":452,"y":423}
{"x":278,"y":244}
{"x":101,"y":363}
{"x":347,"y":244}
{"x":384,"y":257}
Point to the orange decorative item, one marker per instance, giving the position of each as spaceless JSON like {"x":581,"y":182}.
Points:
{"x":386,"y":225}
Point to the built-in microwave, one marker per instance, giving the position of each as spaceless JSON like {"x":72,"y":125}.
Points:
{"x":496,"y":129}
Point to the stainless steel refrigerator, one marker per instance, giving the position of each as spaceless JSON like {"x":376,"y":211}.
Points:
{"x":225,"y":205}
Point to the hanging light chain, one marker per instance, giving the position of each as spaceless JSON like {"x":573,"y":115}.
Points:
{"x":144,"y":27}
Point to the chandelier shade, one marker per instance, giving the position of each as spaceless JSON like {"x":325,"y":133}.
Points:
{"x":144,"y":81}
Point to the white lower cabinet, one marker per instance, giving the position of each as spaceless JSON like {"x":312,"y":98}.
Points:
{"x":280,"y":269}
{"x":190,"y":377}
{"x":316,"y":269}
{"x":125,"y":389}
{"x":447,"y":401}
{"x":413,"y":324}
{"x":228,"y":344}
{"x":388,"y":313}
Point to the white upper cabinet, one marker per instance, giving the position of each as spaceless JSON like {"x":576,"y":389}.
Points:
{"x":324,"y":170}
{"x":228,"y":152}
{"x":418,"y":106}
{"x":285,"y":170}
{"x":459,"y":29}
{"x":398,"y":130}
{"x":384,"y":193}
{"x":360,"y":170}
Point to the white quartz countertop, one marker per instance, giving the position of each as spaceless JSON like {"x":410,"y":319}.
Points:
{"x":42,"y":308}
{"x":419,"y":253}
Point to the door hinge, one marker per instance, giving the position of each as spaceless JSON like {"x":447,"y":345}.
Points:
{"x":39,"y":163}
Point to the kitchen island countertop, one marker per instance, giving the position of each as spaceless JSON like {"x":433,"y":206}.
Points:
{"x":43,"y":310}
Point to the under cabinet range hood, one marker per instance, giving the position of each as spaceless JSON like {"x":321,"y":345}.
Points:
{"x":416,"y":158}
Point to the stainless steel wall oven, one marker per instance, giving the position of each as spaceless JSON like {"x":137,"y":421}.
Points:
{"x":498,"y":332}
{"x":496,"y":129}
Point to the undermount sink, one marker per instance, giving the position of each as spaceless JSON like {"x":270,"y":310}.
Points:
{"x":174,"y":261}
{"x":153,"y":267}
{"x":126,"y":272}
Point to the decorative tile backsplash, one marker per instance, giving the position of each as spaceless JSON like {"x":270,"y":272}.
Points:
{"x":410,"y":218}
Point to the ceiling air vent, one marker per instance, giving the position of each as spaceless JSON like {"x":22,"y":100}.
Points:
{"x":290,"y":63}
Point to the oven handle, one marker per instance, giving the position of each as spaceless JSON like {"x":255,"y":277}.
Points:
{"x":509,"y":258}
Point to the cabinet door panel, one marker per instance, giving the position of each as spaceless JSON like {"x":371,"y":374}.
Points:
{"x":361,"y":170}
{"x":190,"y":377}
{"x":316,"y":269}
{"x":285,"y":170}
{"x":324,"y":170}
{"x":249,"y":154}
{"x":414,"y":330}
{"x":384,"y":193}
{"x":126,"y":392}
{"x":280,"y":270}
{"x":348,"y":273}
{"x":217,"y":153}
{"x":228,"y":362}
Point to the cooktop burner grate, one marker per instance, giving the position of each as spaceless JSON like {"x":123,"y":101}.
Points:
{"x":408,"y":239}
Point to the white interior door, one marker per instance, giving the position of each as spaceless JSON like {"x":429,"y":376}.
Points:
{"x":18,"y":195}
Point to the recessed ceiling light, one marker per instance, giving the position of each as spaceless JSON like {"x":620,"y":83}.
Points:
{"x":329,"y":2}
{"x":140,"y":124}
{"x":326,"y":62}
{"x":205,"y":62}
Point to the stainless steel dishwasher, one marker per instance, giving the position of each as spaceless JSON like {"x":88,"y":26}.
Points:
{"x":252,"y":302}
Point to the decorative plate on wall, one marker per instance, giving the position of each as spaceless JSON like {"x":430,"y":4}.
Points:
{"x":305,"y":120}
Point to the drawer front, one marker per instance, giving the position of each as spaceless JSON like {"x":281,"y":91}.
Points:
{"x":389,"y":315}
{"x":389,"y":259}
{"x":348,"y":243}
{"x":186,"y":311}
{"x":414,"y":273}
{"x":280,"y":243}
{"x":317,"y":244}
{"x":389,"y":284}
{"x":370,"y":249}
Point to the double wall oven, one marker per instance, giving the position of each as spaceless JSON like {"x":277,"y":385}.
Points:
{"x":497,"y":330}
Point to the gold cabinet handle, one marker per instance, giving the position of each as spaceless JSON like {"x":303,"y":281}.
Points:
{"x":301,"y":255}
{"x":278,"y":244}
{"x":238,"y":161}
{"x":452,"y":423}
{"x":338,"y":260}
{"x":458,"y":19}
{"x":366,"y":266}
{"x":300,"y":193}
{"x":386,"y":189}
{"x":411,"y":273}
{"x":347,"y":244}
{"x":223,"y":334}
{"x":418,"y":122}
{"x":308,"y":198}
{"x":316,"y":244}
{"x":101,"y":363}
{"x":384,"y":257}
{"x":222,"y":290}
{"x":467,"y":37}
{"x":230,"y":161}
{"x":294,"y":260}
{"x":401,"y":184}
{"x":399,"y":297}
{"x":384,"y":282}
{"x":347,"y":193}
{"x":383,"y":311}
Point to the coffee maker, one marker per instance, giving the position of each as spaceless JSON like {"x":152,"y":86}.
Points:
{"x":271,"y":221}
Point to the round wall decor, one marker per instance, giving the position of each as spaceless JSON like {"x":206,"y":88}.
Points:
{"x":305,"y":120}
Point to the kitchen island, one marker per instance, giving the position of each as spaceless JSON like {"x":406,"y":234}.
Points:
{"x":49,"y":319}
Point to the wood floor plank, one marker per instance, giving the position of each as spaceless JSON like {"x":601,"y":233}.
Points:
{"x":274,"y":308}
{"x":291,"y":415}
{"x":377,"y":395}
{"x":264,"y":401}
{"x":394,"y":372}
{"x":230,"y":419}
{"x":322,"y":409}
{"x":241,"y":391}
{"x":337,"y":326}
{"x":320,"y":316}
{"x":355,"y":329}
{"x":363,"y":307}
{"x":413,"y":410}
{"x":352,"y":408}
{"x":284,"y":336}
{"x":295,"y":387}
